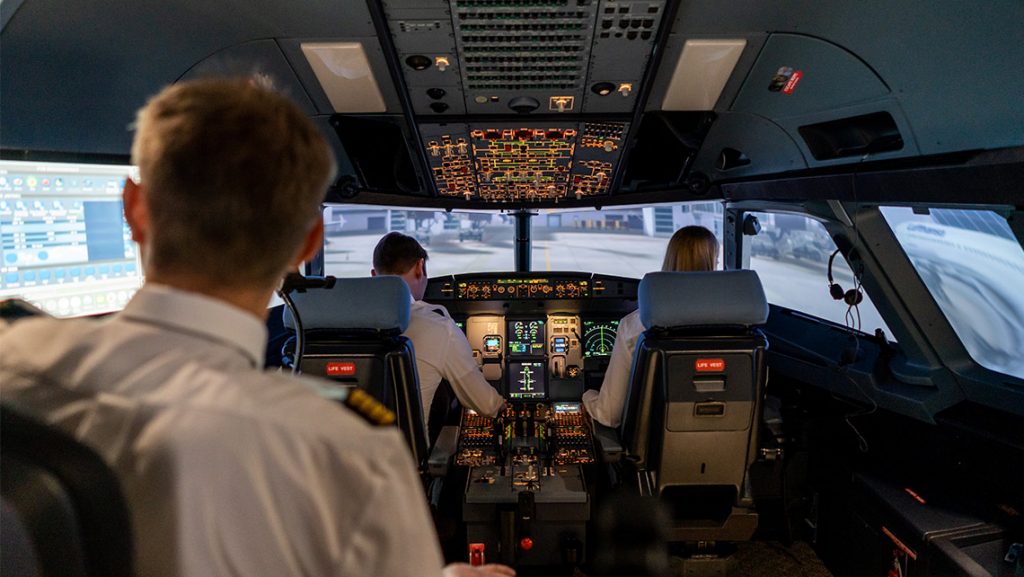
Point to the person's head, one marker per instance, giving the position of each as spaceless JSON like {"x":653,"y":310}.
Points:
{"x":231,"y":180}
{"x":402,"y":255}
{"x":691,"y":248}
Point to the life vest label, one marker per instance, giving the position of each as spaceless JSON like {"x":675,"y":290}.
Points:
{"x":710,"y":365}
{"x":340,"y":369}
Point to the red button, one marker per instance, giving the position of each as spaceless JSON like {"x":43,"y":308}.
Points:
{"x":526,"y":543}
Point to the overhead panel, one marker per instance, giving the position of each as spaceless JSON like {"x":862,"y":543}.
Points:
{"x":583,"y":60}
{"x":498,"y":162}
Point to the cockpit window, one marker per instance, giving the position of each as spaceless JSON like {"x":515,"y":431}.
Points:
{"x":974,"y":268}
{"x":791,"y":255}
{"x":625,"y":241}
{"x":456,"y":241}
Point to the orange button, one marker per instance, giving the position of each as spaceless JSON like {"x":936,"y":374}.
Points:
{"x":526,"y":543}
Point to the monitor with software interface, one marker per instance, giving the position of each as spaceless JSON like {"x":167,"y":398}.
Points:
{"x":64,"y":242}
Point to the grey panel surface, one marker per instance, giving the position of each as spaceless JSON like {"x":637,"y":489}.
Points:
{"x":890,"y":105}
{"x":765,"y":143}
{"x":259,"y":57}
{"x":954,"y":68}
{"x":830,"y":77}
{"x":73,"y":74}
{"x":623,"y":41}
{"x":425,"y":29}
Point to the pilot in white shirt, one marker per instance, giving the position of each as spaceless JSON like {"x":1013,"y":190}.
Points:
{"x":442,"y":351}
{"x":691,"y":248}
{"x":227,"y":470}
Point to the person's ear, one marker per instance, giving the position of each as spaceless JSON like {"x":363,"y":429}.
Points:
{"x":421,"y":268}
{"x":313,"y":244}
{"x":136,"y":210}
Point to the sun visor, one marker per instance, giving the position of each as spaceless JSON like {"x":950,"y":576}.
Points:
{"x":345,"y":76}
{"x":703,"y":68}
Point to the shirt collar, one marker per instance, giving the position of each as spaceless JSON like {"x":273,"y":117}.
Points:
{"x":200,"y":315}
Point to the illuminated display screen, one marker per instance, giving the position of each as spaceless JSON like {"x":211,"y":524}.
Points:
{"x":567,"y":408}
{"x":526,"y":338}
{"x":492,"y":344}
{"x":527,"y":380}
{"x":599,"y":338}
{"x":64,"y":243}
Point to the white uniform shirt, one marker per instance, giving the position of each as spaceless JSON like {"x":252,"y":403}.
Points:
{"x":442,"y":352}
{"x":227,"y":470}
{"x":607,"y":405}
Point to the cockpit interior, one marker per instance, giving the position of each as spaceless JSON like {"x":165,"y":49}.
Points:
{"x":843,"y":396}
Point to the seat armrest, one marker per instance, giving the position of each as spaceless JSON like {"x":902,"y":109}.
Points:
{"x":443,"y":451}
{"x":608,"y":442}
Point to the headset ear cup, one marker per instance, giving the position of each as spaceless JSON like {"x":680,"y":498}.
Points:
{"x":853,"y":297}
{"x":836,"y":291}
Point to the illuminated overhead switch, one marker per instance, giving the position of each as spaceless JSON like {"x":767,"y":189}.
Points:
{"x":561,"y":103}
{"x":625,"y":88}
{"x":442,"y":63}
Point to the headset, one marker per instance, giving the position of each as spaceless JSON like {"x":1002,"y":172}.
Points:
{"x":852,"y":297}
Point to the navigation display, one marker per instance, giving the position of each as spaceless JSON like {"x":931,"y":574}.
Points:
{"x":526,"y":338}
{"x":599,"y":338}
{"x":64,"y":243}
{"x":527,"y":380}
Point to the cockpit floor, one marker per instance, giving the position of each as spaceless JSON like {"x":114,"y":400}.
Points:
{"x":773,"y":559}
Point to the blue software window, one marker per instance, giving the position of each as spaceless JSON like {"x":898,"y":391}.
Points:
{"x":64,"y":243}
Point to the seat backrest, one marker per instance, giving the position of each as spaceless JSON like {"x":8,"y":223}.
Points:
{"x":698,"y":376}
{"x":64,"y":500}
{"x":353,"y":337}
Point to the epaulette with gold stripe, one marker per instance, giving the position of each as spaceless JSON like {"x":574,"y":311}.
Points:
{"x":369,"y":408}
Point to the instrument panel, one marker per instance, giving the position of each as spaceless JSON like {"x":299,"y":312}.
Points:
{"x":522,"y":288}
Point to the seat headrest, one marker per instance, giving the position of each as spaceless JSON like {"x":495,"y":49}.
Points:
{"x":687,"y":299}
{"x":376,"y":303}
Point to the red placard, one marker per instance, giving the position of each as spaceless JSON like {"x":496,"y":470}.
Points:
{"x":791,"y":84}
{"x":340,"y":369}
{"x":710,"y":365}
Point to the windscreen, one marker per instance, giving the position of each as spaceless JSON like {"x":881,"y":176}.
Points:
{"x":64,"y":243}
{"x":974,"y":268}
{"x":624,"y":241}
{"x":456,"y":242}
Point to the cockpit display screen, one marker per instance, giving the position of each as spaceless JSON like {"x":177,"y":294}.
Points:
{"x":527,"y":380}
{"x":526,"y":338}
{"x":599,"y":338}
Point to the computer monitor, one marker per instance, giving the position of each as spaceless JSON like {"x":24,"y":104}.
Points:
{"x":64,"y":243}
{"x":527,"y":380}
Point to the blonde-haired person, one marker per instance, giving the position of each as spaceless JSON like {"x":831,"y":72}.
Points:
{"x":227,"y":469}
{"x":691,"y":248}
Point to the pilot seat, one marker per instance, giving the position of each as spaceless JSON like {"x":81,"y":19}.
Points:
{"x":353,"y":337}
{"x":63,"y":514}
{"x":690,"y":426}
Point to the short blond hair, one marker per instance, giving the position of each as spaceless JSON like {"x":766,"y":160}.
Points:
{"x":234,"y":176}
{"x":691,"y":248}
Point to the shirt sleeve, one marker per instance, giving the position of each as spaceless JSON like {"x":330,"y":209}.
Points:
{"x":606,"y":405}
{"x":469,"y":384}
{"x":395,"y":535}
